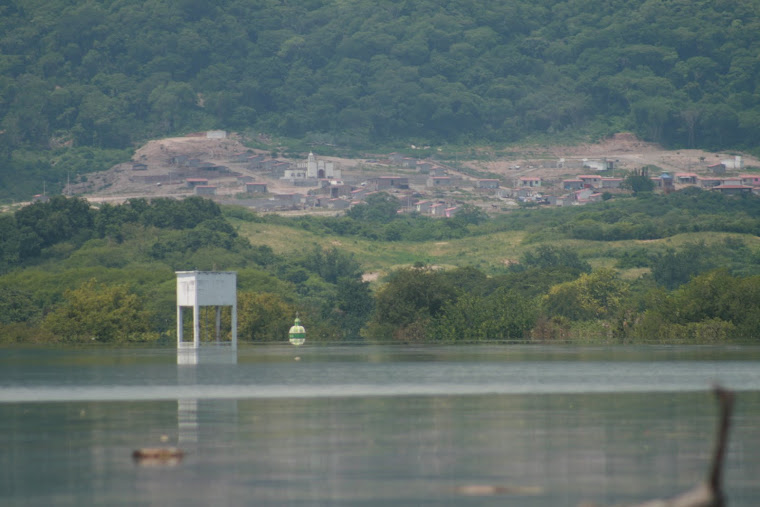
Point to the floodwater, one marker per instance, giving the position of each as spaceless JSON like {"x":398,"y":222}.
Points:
{"x":374,"y":425}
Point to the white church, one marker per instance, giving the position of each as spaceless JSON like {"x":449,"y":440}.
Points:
{"x":312,"y":170}
{"x":319,"y":169}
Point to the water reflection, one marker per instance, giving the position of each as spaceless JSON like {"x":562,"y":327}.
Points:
{"x":386,"y":428}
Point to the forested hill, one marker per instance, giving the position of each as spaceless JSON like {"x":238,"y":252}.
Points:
{"x":109,"y":73}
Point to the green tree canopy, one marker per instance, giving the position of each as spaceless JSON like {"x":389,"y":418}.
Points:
{"x":97,"y":312}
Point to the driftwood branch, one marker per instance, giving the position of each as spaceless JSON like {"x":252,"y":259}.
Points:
{"x":709,"y":493}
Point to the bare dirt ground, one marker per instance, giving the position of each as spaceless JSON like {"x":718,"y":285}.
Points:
{"x":627,"y":151}
{"x":119,"y":183}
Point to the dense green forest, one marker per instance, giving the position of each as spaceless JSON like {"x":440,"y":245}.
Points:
{"x":616,"y":272}
{"x":83,"y":81}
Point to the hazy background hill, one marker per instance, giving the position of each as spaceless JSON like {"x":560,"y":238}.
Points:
{"x":82,"y":81}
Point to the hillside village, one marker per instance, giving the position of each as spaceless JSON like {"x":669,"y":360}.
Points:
{"x":215,"y":165}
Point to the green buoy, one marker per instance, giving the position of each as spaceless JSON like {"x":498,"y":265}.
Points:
{"x":297,"y":334}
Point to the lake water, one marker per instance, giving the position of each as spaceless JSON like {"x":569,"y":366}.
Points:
{"x":375,"y":425}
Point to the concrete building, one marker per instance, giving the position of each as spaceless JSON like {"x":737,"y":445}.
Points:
{"x":205,"y":190}
{"x":686,"y":178}
{"x":527,"y":181}
{"x":612,"y":182}
{"x":591,"y":180}
{"x":439,"y":181}
{"x":572,"y":184}
{"x":319,"y":169}
{"x":487,"y":184}
{"x":256,"y":188}
{"x":388,"y":182}
{"x":194,"y":182}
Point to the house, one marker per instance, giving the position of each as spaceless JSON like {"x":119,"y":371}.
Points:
{"x":732,"y":189}
{"x":337,"y":190}
{"x":717,"y":168}
{"x":437,"y":171}
{"x":525,"y":194}
{"x":386,"y":182}
{"x":733,"y":163}
{"x":424,"y":206}
{"x":450,"y":212}
{"x":735,"y":180}
{"x":205,"y":190}
{"x":309,"y":201}
{"x":439,"y":181}
{"x":216,"y":134}
{"x":555,"y":200}
{"x":256,"y":188}
{"x":751,"y":180}
{"x":709,"y":182}
{"x":590,"y":180}
{"x":40,"y":198}
{"x":664,"y":181}
{"x":583,"y":195}
{"x":194,"y":182}
{"x":572,"y":184}
{"x":612,"y":182}
{"x":686,"y":178}
{"x":526,"y":181}
{"x":287,"y":199}
{"x":438,"y":209}
{"x":294,"y":174}
{"x":595,"y":197}
{"x":244,"y":179}
{"x":599,"y":165}
{"x":487,"y":184}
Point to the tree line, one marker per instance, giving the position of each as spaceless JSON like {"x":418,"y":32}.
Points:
{"x":82,"y":81}
{"x":74,"y":273}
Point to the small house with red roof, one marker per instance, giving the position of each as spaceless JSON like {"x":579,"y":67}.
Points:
{"x":572,"y":184}
{"x":590,"y":180}
{"x":487,"y":184}
{"x":686,"y":178}
{"x":732,"y":189}
{"x":529,"y":181}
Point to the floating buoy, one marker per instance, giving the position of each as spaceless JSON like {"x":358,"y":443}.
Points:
{"x":297,"y":333}
{"x":158,"y":456}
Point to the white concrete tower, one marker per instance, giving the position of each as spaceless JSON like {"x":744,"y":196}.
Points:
{"x":205,"y":288}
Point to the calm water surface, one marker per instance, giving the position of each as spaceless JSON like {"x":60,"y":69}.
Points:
{"x":367,"y":426}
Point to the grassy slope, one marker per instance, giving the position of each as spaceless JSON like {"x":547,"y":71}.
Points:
{"x":489,"y":253}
